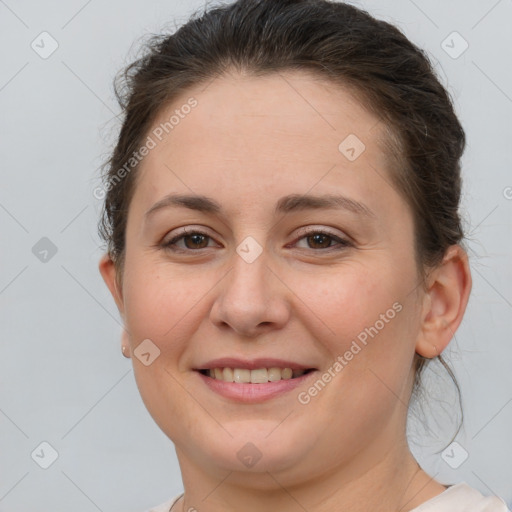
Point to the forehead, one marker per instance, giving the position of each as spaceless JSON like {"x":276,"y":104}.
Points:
{"x":280,"y":109}
{"x":275,"y":134}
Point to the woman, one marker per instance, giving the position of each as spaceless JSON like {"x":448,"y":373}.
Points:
{"x":285,"y":250}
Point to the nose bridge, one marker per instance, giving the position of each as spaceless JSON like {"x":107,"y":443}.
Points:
{"x":250,"y":298}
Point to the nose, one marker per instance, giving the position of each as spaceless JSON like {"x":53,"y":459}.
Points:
{"x":251,"y":299}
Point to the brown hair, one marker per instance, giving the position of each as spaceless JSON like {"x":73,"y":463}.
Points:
{"x":389,"y":75}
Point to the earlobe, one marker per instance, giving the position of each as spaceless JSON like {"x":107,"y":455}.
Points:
{"x":125,"y":344}
{"x":108,"y":271}
{"x":445,"y":303}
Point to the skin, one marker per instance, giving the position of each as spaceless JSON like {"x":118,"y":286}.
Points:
{"x":249,"y":142}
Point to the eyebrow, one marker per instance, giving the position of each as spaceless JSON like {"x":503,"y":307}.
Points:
{"x":290,"y":203}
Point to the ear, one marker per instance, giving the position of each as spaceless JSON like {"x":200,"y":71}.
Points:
{"x":449,"y":286}
{"x":109,"y":273}
{"x":125,"y":344}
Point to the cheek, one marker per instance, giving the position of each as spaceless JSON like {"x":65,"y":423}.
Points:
{"x":164,"y":307}
{"x":349,"y":300}
{"x":164,"y":304}
{"x":149,"y":304}
{"x":367,"y":315}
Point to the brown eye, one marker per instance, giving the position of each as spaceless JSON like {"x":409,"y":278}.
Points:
{"x":197,"y":241}
{"x":188,"y":240}
{"x":319,"y":241}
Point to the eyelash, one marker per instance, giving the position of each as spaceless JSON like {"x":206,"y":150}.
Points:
{"x":342,"y":243}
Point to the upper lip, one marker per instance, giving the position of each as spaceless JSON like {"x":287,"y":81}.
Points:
{"x":253,"y":364}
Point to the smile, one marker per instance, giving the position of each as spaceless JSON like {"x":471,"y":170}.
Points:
{"x":256,"y":376}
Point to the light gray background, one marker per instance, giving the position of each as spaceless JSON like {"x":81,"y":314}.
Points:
{"x":63,"y":379}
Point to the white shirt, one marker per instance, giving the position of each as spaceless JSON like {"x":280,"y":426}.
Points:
{"x":457,"y":498}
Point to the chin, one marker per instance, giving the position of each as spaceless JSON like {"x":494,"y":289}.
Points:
{"x":256,"y":448}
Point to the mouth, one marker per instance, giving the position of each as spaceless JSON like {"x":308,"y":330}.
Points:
{"x":254,"y":376}
{"x":254,"y":381}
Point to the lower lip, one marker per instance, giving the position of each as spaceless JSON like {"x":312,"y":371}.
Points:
{"x":253,"y":393}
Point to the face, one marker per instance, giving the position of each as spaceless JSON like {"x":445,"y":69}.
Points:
{"x":293,"y":251}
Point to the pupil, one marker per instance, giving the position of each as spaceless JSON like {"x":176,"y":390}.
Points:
{"x":196,"y":240}
{"x":318,"y":238}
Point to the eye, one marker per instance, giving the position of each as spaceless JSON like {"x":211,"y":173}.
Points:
{"x":192,"y":240}
{"x":317,"y":239}
{"x":321,"y":239}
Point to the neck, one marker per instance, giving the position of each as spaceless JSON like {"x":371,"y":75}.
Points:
{"x":395,"y":482}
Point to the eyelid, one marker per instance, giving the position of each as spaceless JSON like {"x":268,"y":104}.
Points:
{"x":179,"y":233}
{"x":340,"y":241}
{"x":186,"y":230}
{"x":305,"y":230}
{"x":313,"y":229}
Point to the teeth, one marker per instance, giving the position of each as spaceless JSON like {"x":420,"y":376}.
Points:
{"x":242,"y":375}
{"x":258,"y":376}
{"x":227,"y":375}
{"x":274,"y":374}
{"x":286,"y":373}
